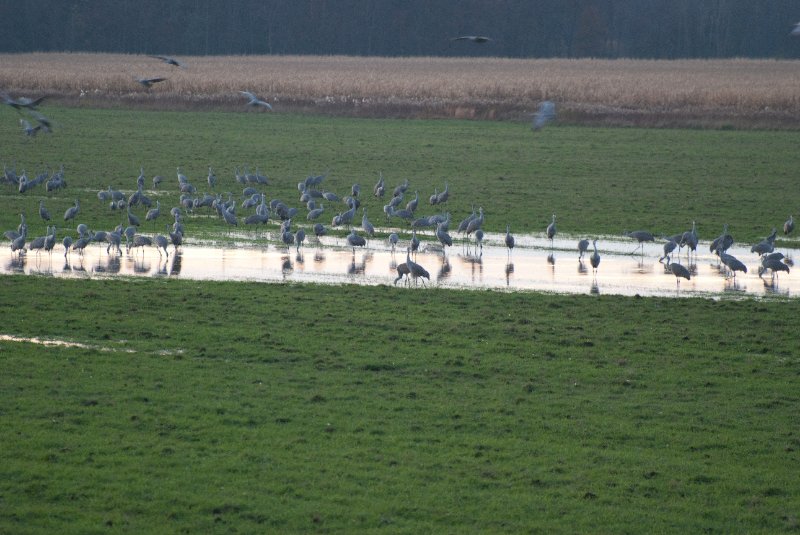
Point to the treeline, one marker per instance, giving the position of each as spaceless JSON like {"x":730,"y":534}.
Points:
{"x":658,"y":29}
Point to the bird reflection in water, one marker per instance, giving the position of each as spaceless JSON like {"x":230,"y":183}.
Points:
{"x":319,"y":256}
{"x":551,"y":259}
{"x":16,"y":264}
{"x":476,"y":265}
{"x":177,"y":260}
{"x":595,"y":289}
{"x":140,"y":265}
{"x":286,"y":265}
{"x":112,"y":265}
{"x":299,"y":258}
{"x":509,"y":272}
{"x":445,"y":269}
{"x":357,"y":268}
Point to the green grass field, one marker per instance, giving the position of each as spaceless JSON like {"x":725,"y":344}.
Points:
{"x":288,"y":408}
{"x":598,"y":181}
{"x":241,"y":407}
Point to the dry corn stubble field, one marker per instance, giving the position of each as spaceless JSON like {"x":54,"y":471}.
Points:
{"x":739,"y":93}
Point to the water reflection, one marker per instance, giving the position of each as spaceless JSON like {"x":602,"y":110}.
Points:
{"x":532,"y":268}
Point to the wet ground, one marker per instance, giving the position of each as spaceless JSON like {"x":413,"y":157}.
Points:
{"x":534,"y":265}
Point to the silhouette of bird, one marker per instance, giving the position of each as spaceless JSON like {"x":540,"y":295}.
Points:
{"x":545,"y":114}
{"x":67,"y":243}
{"x":551,"y":230}
{"x":773,"y":264}
{"x":669,"y":246}
{"x":415,"y":270}
{"x":254,"y":101}
{"x":161,"y":242}
{"x":733,"y":263}
{"x":788,"y":226}
{"x":72,"y":211}
{"x":723,"y":242}
{"x":402,"y":271}
{"x":150,"y":82}
{"x":366,"y":225}
{"x":640,"y":236}
{"x":594,"y":260}
{"x":767,"y":245}
{"x":354,"y":240}
{"x":379,"y":189}
{"x":479,"y":39}
{"x":393,"y":239}
{"x":171,"y":61}
{"x":583,"y":246}
{"x":43,"y":213}
{"x":21,"y":102}
{"x":509,"y":239}
{"x":680,"y":271}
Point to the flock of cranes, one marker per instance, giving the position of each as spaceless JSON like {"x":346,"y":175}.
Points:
{"x":253,"y":209}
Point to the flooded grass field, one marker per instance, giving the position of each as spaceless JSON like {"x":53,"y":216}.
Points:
{"x":533,"y":265}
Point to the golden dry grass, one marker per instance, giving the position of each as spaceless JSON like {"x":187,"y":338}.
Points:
{"x":740,"y":92}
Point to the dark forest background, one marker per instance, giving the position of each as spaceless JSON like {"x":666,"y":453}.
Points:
{"x":658,"y":29}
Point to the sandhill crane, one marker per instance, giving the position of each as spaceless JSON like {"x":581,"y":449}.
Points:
{"x":476,"y":222}
{"x":170,"y":61}
{"x":443,"y":237}
{"x":733,"y":263}
{"x":723,"y":242}
{"x":36,"y":244}
{"x":354,"y":240}
{"x":402,"y":271}
{"x":393,"y":239}
{"x":21,"y":102}
{"x":212,"y":178}
{"x":319,"y":230}
{"x":315,"y":213}
{"x":366,"y":225}
{"x":140,"y":240}
{"x":153,"y":213}
{"x":509,"y":240}
{"x":433,"y":199}
{"x":414,"y":241}
{"x":689,"y":238}
{"x":411,"y":205}
{"x":583,"y":246}
{"x":299,"y":237}
{"x":50,"y":239}
{"x":545,"y":114}
{"x":43,"y":213}
{"x":114,"y":239}
{"x":594,"y":260}
{"x":415,"y":270}
{"x":72,"y":211}
{"x":788,"y":226}
{"x":774,"y":264}
{"x":641,"y":236}
{"x":479,"y":239}
{"x":551,"y":230}
{"x":150,"y":82}
{"x":669,"y":246}
{"x":133,"y":220}
{"x":379,"y":189}
{"x":161,"y":242}
{"x":478,"y":39}
{"x":255,"y":102}
{"x":680,"y":271}
{"x":400,"y":189}
{"x":67,"y":243}
{"x":765,"y":246}
{"x":442,"y":197}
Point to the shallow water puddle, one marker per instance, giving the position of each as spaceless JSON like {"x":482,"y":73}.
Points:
{"x":532,"y":266}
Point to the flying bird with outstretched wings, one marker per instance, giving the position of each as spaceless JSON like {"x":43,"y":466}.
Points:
{"x":255,"y":102}
{"x":171,"y":61}
{"x":480,"y":39}
{"x":150,"y":82}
